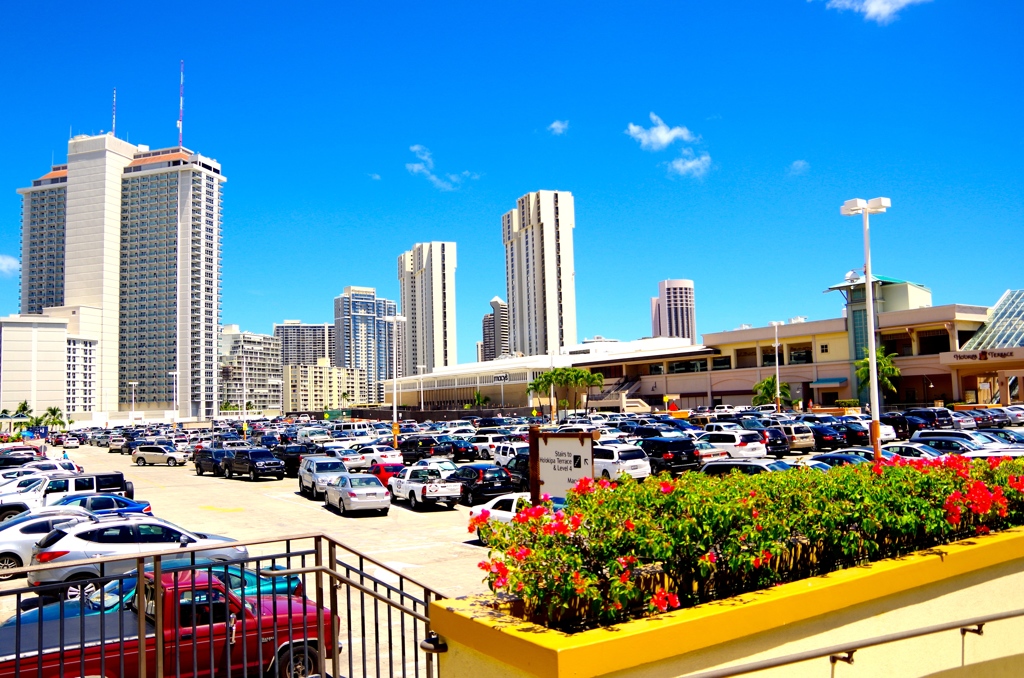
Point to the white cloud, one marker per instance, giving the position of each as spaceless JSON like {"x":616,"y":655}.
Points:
{"x":659,"y":136}
{"x":690,"y":164}
{"x":558,"y":127}
{"x":9,"y":265}
{"x":425,"y":167}
{"x":880,"y":11}
{"x":374,"y":176}
{"x":799,"y":167}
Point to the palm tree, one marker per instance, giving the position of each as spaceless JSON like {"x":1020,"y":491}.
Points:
{"x":479,"y":400}
{"x":593,"y":380}
{"x":542,"y":386}
{"x":54,"y":417}
{"x":23,"y":408}
{"x":764,"y":392}
{"x":344,"y":398}
{"x":887,"y":371}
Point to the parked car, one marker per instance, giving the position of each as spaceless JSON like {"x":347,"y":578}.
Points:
{"x":1008,"y":436}
{"x":981,"y":417}
{"x":898,"y":422}
{"x":102,"y":504}
{"x":1014,"y":417}
{"x":58,"y":465}
{"x":868,"y":453}
{"x":210,"y":461}
{"x":935,"y":417}
{"x":291,"y":455}
{"x":19,"y":534}
{"x":350,"y":492}
{"x":612,"y":461}
{"x":156,"y":454}
{"x":316,"y":471}
{"x":419,"y":447}
{"x":800,"y":436}
{"x":52,"y":488}
{"x":836,"y":459}
{"x":963,"y":421}
{"x":506,"y":452}
{"x":518,"y":468}
{"x":911,"y":450}
{"x":737,"y":444}
{"x":776,"y":443}
{"x":857,"y":434}
{"x":928,"y":437}
{"x":482,"y":481}
{"x":826,"y":437}
{"x":445,"y":467}
{"x":676,"y":455}
{"x":71,"y":443}
{"x":486,"y":443}
{"x":254,"y":464}
{"x":998,"y":416}
{"x":501,"y":509}
{"x":114,"y":443}
{"x":424,"y":487}
{"x":384,"y":471}
{"x":747,"y":466}
{"x":381,"y":454}
{"x":96,"y":536}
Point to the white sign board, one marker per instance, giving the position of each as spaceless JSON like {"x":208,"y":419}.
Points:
{"x":500,"y":377}
{"x":563,"y":461}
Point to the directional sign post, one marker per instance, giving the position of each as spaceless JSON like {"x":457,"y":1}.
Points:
{"x":558,"y":461}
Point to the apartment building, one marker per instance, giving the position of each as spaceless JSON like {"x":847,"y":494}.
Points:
{"x":42,"y":240}
{"x":251,"y":376}
{"x":306,"y":343}
{"x":369,"y":338}
{"x":673,"y":313}
{"x":321,"y":387}
{"x":540,"y":273}
{"x":495,"y":331}
{"x":426,"y":281}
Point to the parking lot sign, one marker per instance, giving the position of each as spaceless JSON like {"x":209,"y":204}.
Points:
{"x":558,"y":461}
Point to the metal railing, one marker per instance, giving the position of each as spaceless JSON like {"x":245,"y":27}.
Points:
{"x":844,"y":652}
{"x":304,"y":602}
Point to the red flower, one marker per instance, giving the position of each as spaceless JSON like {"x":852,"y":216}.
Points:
{"x":876,"y":469}
{"x":584,"y":485}
{"x":576,"y":520}
{"x":753,"y":493}
{"x":629,"y":524}
{"x":754,"y":513}
{"x":663,"y":600}
{"x":579,"y":583}
{"x":981,"y":529}
{"x":709,"y":557}
{"x":603,"y":484}
{"x":667,"y":487}
{"x":519,"y":554}
{"x":625,"y":561}
{"x":624,"y":577}
{"x":479,"y":519}
{"x":759,"y":528}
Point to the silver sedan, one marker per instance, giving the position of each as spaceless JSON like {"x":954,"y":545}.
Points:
{"x":357,"y":492}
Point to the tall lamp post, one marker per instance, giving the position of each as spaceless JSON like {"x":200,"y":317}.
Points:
{"x":867,"y":207}
{"x":778,"y":386}
{"x":419,"y":371}
{"x":133,"y":384}
{"x":394,"y":320}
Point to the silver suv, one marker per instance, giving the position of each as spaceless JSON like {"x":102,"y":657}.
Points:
{"x":19,"y":535}
{"x":316,"y":471}
{"x":91,"y":537}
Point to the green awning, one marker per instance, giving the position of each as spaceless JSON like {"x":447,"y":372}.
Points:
{"x":832,"y":381}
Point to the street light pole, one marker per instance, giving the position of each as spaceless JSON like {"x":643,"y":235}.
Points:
{"x":865,"y":208}
{"x":394,"y":320}
{"x":778,"y":386}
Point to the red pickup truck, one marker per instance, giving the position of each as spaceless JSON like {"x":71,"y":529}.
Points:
{"x":207,"y":629}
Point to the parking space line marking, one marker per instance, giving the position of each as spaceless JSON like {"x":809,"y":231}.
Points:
{"x":222,"y":509}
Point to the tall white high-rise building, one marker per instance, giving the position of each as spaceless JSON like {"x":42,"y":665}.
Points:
{"x":495,"y":331}
{"x":672,"y":311}
{"x":426,"y":281}
{"x":250,"y":371}
{"x":305,"y":343}
{"x":540,"y":272}
{"x":366,"y":340}
{"x":124,"y":243}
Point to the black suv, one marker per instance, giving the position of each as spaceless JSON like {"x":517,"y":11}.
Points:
{"x":898,"y":423}
{"x":937,"y":417}
{"x":519,"y":468}
{"x":210,"y":461}
{"x":291,"y":455}
{"x":481,"y":482}
{"x":463,"y":449}
{"x":827,"y":437}
{"x":254,"y":463}
{"x":425,"y":447}
{"x":775,"y":442}
{"x":674,"y":455}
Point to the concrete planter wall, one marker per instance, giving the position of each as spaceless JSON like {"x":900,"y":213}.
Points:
{"x":967,"y":579}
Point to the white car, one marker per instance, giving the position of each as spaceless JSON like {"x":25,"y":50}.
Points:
{"x":381,"y":454}
{"x":485,"y":444}
{"x":58,"y":465}
{"x":20,"y":534}
{"x":71,"y":443}
{"x":445,"y":467}
{"x":611,"y":461}
{"x":501,"y":509}
{"x":506,"y":452}
{"x":737,"y":444}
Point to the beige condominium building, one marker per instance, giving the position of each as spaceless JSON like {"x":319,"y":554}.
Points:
{"x":251,"y":377}
{"x":946,"y":353}
{"x":305,"y":343}
{"x":320,"y":387}
{"x":426,"y":281}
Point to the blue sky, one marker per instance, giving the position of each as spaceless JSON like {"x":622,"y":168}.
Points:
{"x":773,"y":113}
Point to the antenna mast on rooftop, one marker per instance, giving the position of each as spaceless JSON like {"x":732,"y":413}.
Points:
{"x":181,"y":100}
{"x":113,"y":122}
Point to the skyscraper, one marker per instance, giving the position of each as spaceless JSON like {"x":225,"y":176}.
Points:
{"x":170,"y":280}
{"x":495,"y":331}
{"x":124,"y":243}
{"x":366,"y":341}
{"x":540,"y":273}
{"x":251,"y":374}
{"x":306,"y":343}
{"x":672,"y":311}
{"x":426,"y":280}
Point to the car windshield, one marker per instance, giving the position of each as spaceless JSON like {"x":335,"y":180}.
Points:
{"x":261,"y":455}
{"x":366,"y":481}
{"x":778,"y":466}
{"x":630,"y":455}
{"x":30,"y":485}
{"x":111,"y":595}
{"x":445,"y":439}
{"x":329,"y":466}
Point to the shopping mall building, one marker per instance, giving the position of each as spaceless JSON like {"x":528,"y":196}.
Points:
{"x":948,"y":353}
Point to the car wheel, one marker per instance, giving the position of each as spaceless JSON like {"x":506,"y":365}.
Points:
{"x":280,"y":476}
{"x":341,"y":506}
{"x":480,"y":536}
{"x":227,"y":472}
{"x":172,"y":462}
{"x":297,"y":662}
{"x":414,"y":503}
{"x":606,"y":475}
{"x":252,"y":476}
{"x":383,"y":512}
{"x":199,"y":470}
{"x":9,"y":514}
{"x":8,"y":561}
{"x":140,"y":462}
{"x":78,"y":591}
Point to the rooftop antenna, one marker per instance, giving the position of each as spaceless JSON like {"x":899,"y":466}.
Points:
{"x":181,"y":101}
{"x":113,"y":122}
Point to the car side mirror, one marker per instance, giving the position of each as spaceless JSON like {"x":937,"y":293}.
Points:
{"x":184,"y":540}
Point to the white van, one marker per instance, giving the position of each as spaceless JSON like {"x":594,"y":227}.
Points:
{"x":358,"y":429}
{"x":315,"y":435}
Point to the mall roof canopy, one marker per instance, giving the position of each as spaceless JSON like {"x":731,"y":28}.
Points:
{"x":831,"y":381}
{"x":846,"y":284}
{"x":1005,"y":325}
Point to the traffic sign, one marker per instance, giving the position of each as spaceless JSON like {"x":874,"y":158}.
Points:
{"x":534,"y":413}
{"x":558,"y":461}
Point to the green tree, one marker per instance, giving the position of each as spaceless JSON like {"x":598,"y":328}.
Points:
{"x":542,"y":386}
{"x":54,"y":417}
{"x":593,"y":380}
{"x":479,"y":400}
{"x":764,"y":392}
{"x":344,"y":398}
{"x":23,"y":408}
{"x":887,"y":371}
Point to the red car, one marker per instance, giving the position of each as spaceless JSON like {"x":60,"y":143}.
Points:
{"x":385,"y":471}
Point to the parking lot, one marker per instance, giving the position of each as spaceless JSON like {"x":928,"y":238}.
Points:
{"x":431,"y":545}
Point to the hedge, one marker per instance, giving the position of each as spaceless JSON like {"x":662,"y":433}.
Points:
{"x":620,"y":550}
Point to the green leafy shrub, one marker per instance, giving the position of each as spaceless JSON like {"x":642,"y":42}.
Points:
{"x":848,"y":403}
{"x":620,"y":550}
